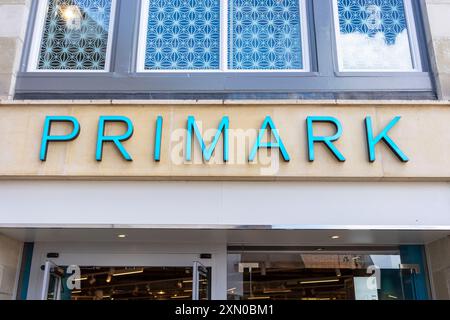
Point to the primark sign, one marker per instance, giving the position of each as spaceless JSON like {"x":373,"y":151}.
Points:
{"x":267,"y":137}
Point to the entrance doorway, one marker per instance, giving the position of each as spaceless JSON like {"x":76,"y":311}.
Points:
{"x":128,"y":283}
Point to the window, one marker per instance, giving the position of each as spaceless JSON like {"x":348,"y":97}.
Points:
{"x":311,"y":275}
{"x":215,"y":35}
{"x":73,"y":35}
{"x":375,"y":35}
{"x":225,"y":49}
{"x":182,"y":35}
{"x":265,"y":35}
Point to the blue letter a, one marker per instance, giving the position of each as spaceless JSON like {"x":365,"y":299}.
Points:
{"x":278,"y":144}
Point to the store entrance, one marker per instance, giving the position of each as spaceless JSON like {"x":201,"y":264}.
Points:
{"x":126,"y":283}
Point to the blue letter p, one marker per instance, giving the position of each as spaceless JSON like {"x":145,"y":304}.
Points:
{"x":46,"y":137}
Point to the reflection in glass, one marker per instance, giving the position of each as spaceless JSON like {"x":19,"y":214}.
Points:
{"x":314,"y":276}
{"x":75,"y":35}
{"x":373,"y":35}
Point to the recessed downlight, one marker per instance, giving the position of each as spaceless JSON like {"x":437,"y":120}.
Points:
{"x":335,"y":237}
{"x":121,"y":236}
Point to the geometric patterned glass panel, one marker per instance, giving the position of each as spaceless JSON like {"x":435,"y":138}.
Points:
{"x":183,"y":35}
{"x":75,"y":35}
{"x":373,"y":35}
{"x":264,"y":35}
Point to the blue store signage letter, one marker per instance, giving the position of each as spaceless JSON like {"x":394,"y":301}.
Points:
{"x":46,"y":137}
{"x":328,"y":141}
{"x":207,"y":152}
{"x":383,"y":136}
{"x":101,"y":138}
{"x":158,"y":138}
{"x":278,"y":144}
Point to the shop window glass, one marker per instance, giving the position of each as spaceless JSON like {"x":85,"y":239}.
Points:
{"x":183,"y":35}
{"x":316,"y":276}
{"x":75,"y":35}
{"x":233,"y":35}
{"x":374,"y":35}
{"x":264,"y":35}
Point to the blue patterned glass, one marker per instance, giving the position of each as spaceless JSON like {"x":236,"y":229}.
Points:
{"x":75,"y":35}
{"x":264,"y":35}
{"x":374,"y":34}
{"x":373,"y":16}
{"x":183,"y":35}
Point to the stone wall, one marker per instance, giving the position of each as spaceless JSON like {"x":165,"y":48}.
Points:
{"x":13,"y":18}
{"x":439,"y":267}
{"x":10,"y":253}
{"x":439,"y":23}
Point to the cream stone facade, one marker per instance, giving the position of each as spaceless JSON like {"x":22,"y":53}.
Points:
{"x":438,"y":10}
{"x":423,"y":134}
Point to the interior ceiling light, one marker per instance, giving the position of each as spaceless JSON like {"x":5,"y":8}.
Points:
{"x":319,"y":281}
{"x":121,"y":236}
{"x":126,"y":272}
{"x":81,"y":279}
{"x":335,"y":237}
{"x":268,"y":291}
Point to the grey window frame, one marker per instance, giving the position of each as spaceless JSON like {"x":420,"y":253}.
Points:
{"x":323,"y":81}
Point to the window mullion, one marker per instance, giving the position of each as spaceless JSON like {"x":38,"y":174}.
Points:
{"x":224,"y":35}
{"x":413,"y":37}
{"x":124,"y":46}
